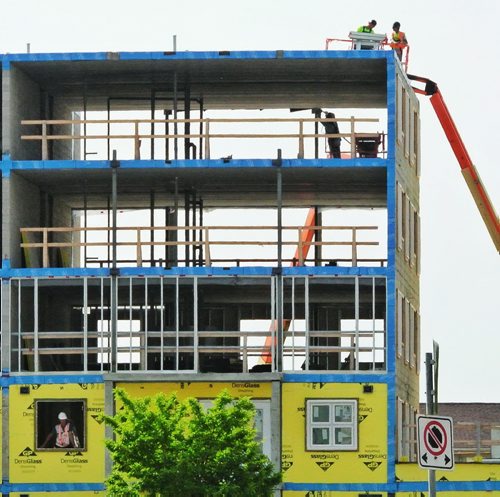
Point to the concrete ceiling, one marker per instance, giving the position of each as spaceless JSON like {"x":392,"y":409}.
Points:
{"x":222,"y":83}
{"x":217,"y":187}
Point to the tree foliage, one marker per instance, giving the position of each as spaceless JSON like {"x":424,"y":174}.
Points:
{"x":166,"y":447}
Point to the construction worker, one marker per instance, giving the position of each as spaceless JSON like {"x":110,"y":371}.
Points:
{"x":368,"y":28}
{"x":332,"y":128}
{"x":399,"y":41}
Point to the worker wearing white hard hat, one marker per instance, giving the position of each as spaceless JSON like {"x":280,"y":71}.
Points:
{"x":63,"y":435}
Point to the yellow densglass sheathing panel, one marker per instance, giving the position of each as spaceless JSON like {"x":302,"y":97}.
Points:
{"x":199,"y":390}
{"x":368,"y":464}
{"x":30,"y":465}
{"x":461,"y":472}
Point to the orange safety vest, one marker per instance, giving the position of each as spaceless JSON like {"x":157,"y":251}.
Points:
{"x":399,"y":40}
{"x":62,"y":439}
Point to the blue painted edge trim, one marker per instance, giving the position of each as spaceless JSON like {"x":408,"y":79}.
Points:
{"x":446,"y":486}
{"x":353,"y":487}
{"x":332,"y":271}
{"x":391,"y":266}
{"x":52,"y":487}
{"x":269,"y":54}
{"x":197,"y":55}
{"x":41,"y":379}
{"x":51,"y":57}
{"x":6,"y":165}
{"x":443,"y":486}
{"x":334,"y":378}
{"x":357,"y":163}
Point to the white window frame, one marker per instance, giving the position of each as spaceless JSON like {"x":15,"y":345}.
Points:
{"x":399,"y":111}
{"x":406,"y":124}
{"x":406,"y":430}
{"x":399,"y":428}
{"x":407,"y":233}
{"x":331,"y":424}
{"x":412,"y":337}
{"x":416,"y":243}
{"x":399,"y":213}
{"x":414,"y":144}
{"x":417,"y":341}
{"x":412,"y":235}
{"x":417,"y":147}
{"x":407,"y":330}
{"x":400,"y":323}
{"x":413,"y":434}
{"x":263,"y":405}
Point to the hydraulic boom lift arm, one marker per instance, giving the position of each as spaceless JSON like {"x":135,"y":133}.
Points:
{"x":469,"y":171}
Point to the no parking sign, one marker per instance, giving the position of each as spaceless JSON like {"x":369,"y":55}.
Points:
{"x":435,"y":442}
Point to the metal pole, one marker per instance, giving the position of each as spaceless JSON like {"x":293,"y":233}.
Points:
{"x":85,"y":121}
{"x":279,"y":202}
{"x":176,"y":126}
{"x":279,"y":270}
{"x":85,"y":224}
{"x":114,"y":271}
{"x":317,"y":115}
{"x":430,"y":410}
{"x":187,"y":117}
{"x":435,"y":355}
{"x":152,"y":224}
{"x":153,"y":110}
{"x":167,"y":141}
{"x":108,"y":139}
{"x":186,"y":230}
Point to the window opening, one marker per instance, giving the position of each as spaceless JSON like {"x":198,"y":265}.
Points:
{"x":128,"y":341}
{"x":332,"y":424}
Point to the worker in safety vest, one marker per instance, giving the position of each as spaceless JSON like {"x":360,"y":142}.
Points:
{"x":368,"y":28}
{"x":63,"y":435}
{"x":398,"y":40}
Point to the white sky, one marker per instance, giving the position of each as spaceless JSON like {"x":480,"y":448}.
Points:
{"x":453,"y":42}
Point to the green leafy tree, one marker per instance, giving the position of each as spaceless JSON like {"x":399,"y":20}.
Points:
{"x":165,"y":447}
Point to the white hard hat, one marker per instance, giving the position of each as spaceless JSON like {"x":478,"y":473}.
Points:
{"x":62,"y":415}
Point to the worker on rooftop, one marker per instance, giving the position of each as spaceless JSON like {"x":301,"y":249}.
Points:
{"x":399,"y":41}
{"x":368,"y":28}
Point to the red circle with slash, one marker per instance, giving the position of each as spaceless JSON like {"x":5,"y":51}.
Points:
{"x":435,"y":438}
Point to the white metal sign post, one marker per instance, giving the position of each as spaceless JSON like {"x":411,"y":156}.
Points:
{"x":435,"y":442}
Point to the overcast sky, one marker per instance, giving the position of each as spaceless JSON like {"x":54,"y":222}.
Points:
{"x":453,"y":42}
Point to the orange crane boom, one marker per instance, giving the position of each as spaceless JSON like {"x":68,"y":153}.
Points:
{"x":469,"y":172}
{"x":306,"y":236}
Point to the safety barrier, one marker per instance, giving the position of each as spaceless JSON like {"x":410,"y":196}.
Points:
{"x":384,"y":45}
{"x":358,"y":140}
{"x":215,"y":244}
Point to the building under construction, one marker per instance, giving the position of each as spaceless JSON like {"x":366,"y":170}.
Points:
{"x":173,"y":222}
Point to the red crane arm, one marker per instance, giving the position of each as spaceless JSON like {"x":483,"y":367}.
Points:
{"x":469,"y":171}
{"x":306,"y":236}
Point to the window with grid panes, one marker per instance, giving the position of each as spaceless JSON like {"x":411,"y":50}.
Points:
{"x":332,"y":424}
